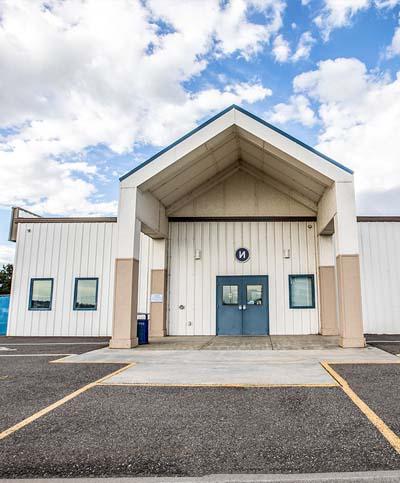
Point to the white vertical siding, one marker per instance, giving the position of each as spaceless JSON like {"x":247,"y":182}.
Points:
{"x":64,"y":251}
{"x":146,"y":255}
{"x":380,"y":276}
{"x":192,"y":283}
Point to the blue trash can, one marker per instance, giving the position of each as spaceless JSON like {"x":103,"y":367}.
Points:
{"x":4,"y":304}
{"x":143,"y":328}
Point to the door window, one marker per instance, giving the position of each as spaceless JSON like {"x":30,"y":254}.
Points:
{"x":230,"y":294}
{"x":254,"y":294}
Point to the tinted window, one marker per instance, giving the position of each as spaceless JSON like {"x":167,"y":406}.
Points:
{"x":41,"y":294}
{"x":85,"y":294}
{"x":301,"y":291}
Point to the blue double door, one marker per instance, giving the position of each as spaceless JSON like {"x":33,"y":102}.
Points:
{"x":242,"y":305}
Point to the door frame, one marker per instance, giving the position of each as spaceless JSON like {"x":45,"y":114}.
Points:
{"x":242,"y":276}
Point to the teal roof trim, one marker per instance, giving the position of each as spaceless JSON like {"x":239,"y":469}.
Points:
{"x":247,"y":113}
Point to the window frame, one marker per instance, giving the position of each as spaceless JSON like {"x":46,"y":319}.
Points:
{"x":40,"y":309}
{"x":74,"y":307}
{"x":307,"y":276}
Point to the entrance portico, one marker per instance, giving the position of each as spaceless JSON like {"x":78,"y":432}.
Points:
{"x":238,"y":182}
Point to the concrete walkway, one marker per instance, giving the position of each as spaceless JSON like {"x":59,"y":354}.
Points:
{"x":359,"y":477}
{"x":228,"y":367}
{"x":212,"y":342}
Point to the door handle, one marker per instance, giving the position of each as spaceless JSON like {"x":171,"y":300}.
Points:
{"x":240,"y":307}
{"x":244,"y":307}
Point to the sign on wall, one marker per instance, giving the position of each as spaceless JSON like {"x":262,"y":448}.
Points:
{"x":242,"y":254}
{"x":156,"y":298}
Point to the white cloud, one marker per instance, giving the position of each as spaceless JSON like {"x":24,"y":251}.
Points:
{"x":297,"y":109}
{"x":360,"y":122}
{"x":79,"y":73}
{"x":394,"y":47}
{"x":304,"y":47}
{"x":6,"y":254}
{"x":281,"y":49}
{"x":283,"y":53}
{"x":339,"y":13}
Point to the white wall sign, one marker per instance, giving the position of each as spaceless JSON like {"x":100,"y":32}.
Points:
{"x":156,"y":297}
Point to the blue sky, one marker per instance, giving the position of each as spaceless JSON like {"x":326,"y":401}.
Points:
{"x":90,"y":90}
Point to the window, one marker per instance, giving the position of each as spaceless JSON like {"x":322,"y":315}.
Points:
{"x":85,"y":294}
{"x":301,"y":292}
{"x":41,"y":294}
{"x":254,"y":294}
{"x":230,"y":294}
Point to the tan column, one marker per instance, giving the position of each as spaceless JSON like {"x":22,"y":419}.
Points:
{"x":348,"y":276}
{"x":349,"y":298}
{"x":158,"y":289}
{"x":124,"y":334}
{"x":158,"y":309}
{"x":327,"y":286}
{"x":327,"y":290}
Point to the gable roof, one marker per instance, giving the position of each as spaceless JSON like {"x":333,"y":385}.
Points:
{"x":252,"y":116}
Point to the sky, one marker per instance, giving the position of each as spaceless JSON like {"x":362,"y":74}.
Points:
{"x":91,"y":88}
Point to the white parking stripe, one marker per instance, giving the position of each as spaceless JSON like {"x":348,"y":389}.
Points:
{"x":35,"y":355}
{"x":54,"y":343}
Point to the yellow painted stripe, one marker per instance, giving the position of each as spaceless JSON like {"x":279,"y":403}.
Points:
{"x":391,"y":437}
{"x":57,"y":404}
{"x":389,"y":361}
{"x":145,"y":384}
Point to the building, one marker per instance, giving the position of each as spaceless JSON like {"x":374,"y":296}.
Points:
{"x":237,"y":228}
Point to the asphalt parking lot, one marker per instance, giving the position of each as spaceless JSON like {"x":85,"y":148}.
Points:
{"x":50,"y":345}
{"x":127,"y":431}
{"x":389,"y":343}
{"x":378,"y":385}
{"x":116,"y":431}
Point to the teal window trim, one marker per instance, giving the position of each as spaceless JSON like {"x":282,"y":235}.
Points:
{"x":307,"y":276}
{"x":40,"y":309}
{"x":80,"y":309}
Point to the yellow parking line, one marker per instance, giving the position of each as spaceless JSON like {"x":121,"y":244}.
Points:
{"x":387,"y":433}
{"x":59,"y":403}
{"x":388,"y":361}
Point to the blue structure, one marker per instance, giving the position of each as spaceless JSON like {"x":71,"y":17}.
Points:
{"x":4,"y":304}
{"x":143,"y":329}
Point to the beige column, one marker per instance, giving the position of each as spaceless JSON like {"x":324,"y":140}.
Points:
{"x":158,"y":289}
{"x":348,"y":268}
{"x":349,"y":298}
{"x":124,"y":332}
{"x":327,"y":286}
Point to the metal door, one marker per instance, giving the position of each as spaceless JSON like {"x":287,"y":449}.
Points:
{"x":242,"y":305}
{"x":255,"y":305}
{"x":229,"y":307}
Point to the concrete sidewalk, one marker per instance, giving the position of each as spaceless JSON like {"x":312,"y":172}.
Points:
{"x":236,"y":367}
{"x":357,"y":477}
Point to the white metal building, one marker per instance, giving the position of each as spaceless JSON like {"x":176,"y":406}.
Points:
{"x":235,"y":229}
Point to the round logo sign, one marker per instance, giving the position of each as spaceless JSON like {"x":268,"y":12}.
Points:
{"x":242,"y":254}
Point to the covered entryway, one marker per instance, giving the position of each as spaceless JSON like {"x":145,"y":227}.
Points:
{"x":242,"y":305}
{"x":237,"y":181}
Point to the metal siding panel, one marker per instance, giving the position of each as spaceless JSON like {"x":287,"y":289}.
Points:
{"x":218,"y":241}
{"x":56,"y":262}
{"x":380,"y":279}
{"x":63,"y":252}
{"x":199,"y":320}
